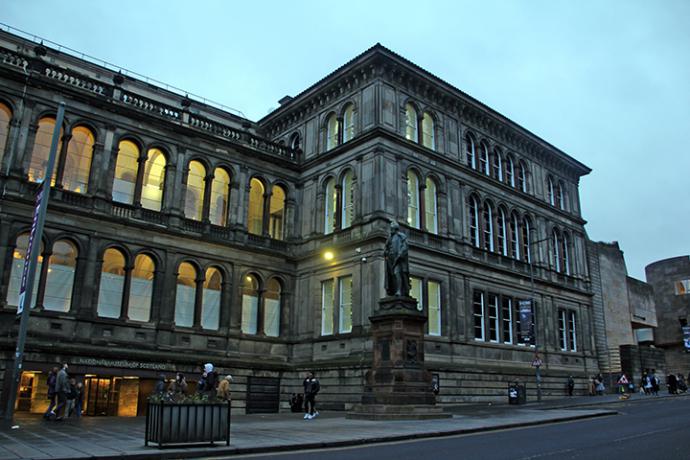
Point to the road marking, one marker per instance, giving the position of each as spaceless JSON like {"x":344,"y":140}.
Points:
{"x":547,"y":454}
{"x":639,"y":435}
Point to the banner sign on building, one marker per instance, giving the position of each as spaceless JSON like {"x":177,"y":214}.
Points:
{"x":527,"y":322}
{"x":686,"y":338}
{"x":29,"y":250}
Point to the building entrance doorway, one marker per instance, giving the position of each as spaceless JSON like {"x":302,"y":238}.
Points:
{"x":101,"y":395}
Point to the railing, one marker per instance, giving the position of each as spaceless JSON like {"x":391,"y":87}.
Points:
{"x":213,"y":127}
{"x":149,"y":105}
{"x":193,"y":225}
{"x":75,"y":80}
{"x":123,"y":211}
{"x":73,"y":198}
{"x":13,"y":59}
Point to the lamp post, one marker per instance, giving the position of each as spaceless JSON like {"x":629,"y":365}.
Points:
{"x":537,"y":362}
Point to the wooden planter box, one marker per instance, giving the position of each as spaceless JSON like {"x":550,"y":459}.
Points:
{"x":172,"y":424}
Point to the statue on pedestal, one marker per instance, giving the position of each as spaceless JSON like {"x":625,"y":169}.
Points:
{"x":397,"y":267}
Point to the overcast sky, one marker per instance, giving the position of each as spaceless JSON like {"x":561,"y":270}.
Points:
{"x":606,"y":81}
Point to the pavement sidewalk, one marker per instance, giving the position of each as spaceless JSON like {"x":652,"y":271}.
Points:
{"x":120,"y":437}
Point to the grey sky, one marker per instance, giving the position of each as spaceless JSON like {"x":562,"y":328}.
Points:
{"x":606,"y":81}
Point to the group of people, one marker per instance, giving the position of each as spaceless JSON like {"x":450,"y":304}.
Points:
{"x":209,"y":385}
{"x":596,"y":385}
{"x":65,"y":395}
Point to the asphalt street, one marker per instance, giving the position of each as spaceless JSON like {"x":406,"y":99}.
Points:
{"x":645,"y":430}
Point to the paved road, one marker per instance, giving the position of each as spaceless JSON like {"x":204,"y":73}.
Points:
{"x":649,"y":430}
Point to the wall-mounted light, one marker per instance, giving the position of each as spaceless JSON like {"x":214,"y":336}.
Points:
{"x":328,"y":255}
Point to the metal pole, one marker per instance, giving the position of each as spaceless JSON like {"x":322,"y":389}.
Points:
{"x":24,"y":304}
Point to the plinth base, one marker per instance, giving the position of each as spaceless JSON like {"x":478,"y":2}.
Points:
{"x":396,"y":412}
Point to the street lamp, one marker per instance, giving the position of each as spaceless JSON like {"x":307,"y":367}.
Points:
{"x":537,"y":362}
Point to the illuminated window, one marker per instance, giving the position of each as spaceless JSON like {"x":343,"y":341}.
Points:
{"x":330,"y":204}
{"x":349,"y":123}
{"x":18,"y":257}
{"x":276,"y":221}
{"x":332,"y":132}
{"x":220,"y":197}
{"x":470,"y":152}
{"x":416,"y":291}
{"x":411,"y":123}
{"x":272,"y":308}
{"x":345,"y":304}
{"x":250,"y":304}
{"x":5,"y":118}
{"x":112,"y":284}
{"x":61,"y":266}
{"x":682,"y":287}
{"x":413,"y":219}
{"x":126,"y":172}
{"x":210,"y":304}
{"x":347,"y":207}
{"x":430,"y":207}
{"x":75,"y":177}
{"x":327,"y":303}
{"x":141,"y":288}
{"x":196,"y":183}
{"x":434,"y":308}
{"x":154,"y":180}
{"x":255,"y":217}
{"x":185,"y":295}
{"x":41,"y":150}
{"x":428,"y":135}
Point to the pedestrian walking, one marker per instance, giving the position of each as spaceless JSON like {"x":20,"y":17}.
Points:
{"x":79,"y":400}
{"x":654,"y":381}
{"x":178,"y":387}
{"x":223,"y":391}
{"x":208,"y":381}
{"x":599,"y":384}
{"x":571,"y":385}
{"x":160,"y":386}
{"x":52,"y":393}
{"x":71,"y":395}
{"x":311,"y":389}
{"x":63,"y":389}
{"x":672,"y":384}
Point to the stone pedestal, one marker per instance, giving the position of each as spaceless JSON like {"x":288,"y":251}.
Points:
{"x":398,"y":386}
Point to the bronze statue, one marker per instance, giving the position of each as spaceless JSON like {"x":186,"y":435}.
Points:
{"x":397,"y":267}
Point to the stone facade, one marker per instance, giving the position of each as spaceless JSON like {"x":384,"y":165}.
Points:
{"x":491,"y":211}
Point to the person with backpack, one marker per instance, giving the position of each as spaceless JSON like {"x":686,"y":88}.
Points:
{"x":311,"y":388}
{"x":208,"y":382}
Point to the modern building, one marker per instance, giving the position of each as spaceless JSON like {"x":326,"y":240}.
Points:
{"x":180,"y":233}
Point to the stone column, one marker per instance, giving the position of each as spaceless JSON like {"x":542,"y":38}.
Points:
{"x":226,"y":303}
{"x":103,"y":165}
{"x":17,"y":144}
{"x":61,"y":160}
{"x":87,"y":307}
{"x":206,"y":206}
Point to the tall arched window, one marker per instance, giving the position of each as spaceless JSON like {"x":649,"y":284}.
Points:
{"x":488,"y":226}
{"x":255,"y":216}
{"x":154,"y":180}
{"x":556,"y":248}
{"x":295,"y":141}
{"x":41,"y":150}
{"x":526,"y":241}
{"x":141,"y":288}
{"x":565,"y":254}
{"x":126,"y":168}
{"x":210,"y":304}
{"x":272,"y":308}
{"x":185,"y":295}
{"x":428,"y":134}
{"x":522,"y":176}
{"x":349,"y":123}
{"x":75,"y":177}
{"x":501,"y":233}
{"x":112,"y":284}
{"x":411,"y":123}
{"x":474,"y":222}
{"x":330,"y":203}
{"x":497,"y":165}
{"x":514,"y":237}
{"x":276,"y":222}
{"x":250,"y":304}
{"x":510,"y":171}
{"x":60,"y":280}
{"x":194,"y":198}
{"x":18,"y":257}
{"x":220,"y":197}
{"x":551,"y":191}
{"x":413,"y":199}
{"x":470,"y":152}
{"x":332,"y":132}
{"x":484,"y":158}
{"x":430,"y":207}
{"x":347,"y":202}
{"x":560,"y":195}
{"x":5,"y":118}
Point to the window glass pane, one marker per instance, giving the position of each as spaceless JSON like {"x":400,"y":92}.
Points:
{"x":210,"y":303}
{"x":194,"y":198}
{"x":526,"y":249}
{"x":276,"y":222}
{"x":410,"y":123}
{"x":329,"y":206}
{"x":112,"y":284}
{"x":488,"y":227}
{"x":348,"y":200}
{"x":327,"y":300}
{"x":412,"y":199}
{"x":430,"y":207}
{"x":41,"y":150}
{"x":416,"y":292}
{"x":474,"y":222}
{"x":434,"y":292}
{"x":561,"y":330}
{"x":5,"y":117}
{"x":18,"y":257}
{"x":522,"y":177}
{"x":501,"y":232}
{"x":572,"y":331}
{"x":256,"y":207}
{"x":78,"y":161}
{"x":478,"y":314}
{"x":493,"y":318}
{"x":510,"y":171}
{"x":220,"y":197}
{"x":484,"y":158}
{"x":428,"y":136}
{"x":345,"y":287}
{"x":272,"y":308}
{"x":332,"y":132}
{"x":154,"y":180}
{"x":61,"y":267}
{"x":497,"y":165}
{"x":125,"y":172}
{"x":470,"y":152}
{"x":141,"y":288}
{"x":185,"y":295}
{"x":507,"y":319}
{"x":349,"y":123}
{"x":514,"y":238}
{"x":250,"y":305}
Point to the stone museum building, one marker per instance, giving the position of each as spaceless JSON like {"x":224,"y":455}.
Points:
{"x":179,"y":233}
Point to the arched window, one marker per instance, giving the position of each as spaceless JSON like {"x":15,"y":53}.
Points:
{"x":560,"y":195}
{"x":349,"y":123}
{"x":551,"y":192}
{"x":272,"y":308}
{"x":332,"y":132}
{"x":488,"y":227}
{"x":565,"y":254}
{"x":126,"y":168}
{"x":210,"y":304}
{"x":220,"y":197}
{"x":522,"y":177}
{"x":331,"y":200}
{"x":514,"y":237}
{"x":484,"y":158}
{"x":141,"y":288}
{"x":412,"y":199}
{"x":250,"y":304}
{"x":411,"y":123}
{"x":497,"y":165}
{"x":194,"y":198}
{"x":112,"y":284}
{"x":347,"y":201}
{"x":75,"y":177}
{"x":501,"y":235}
{"x":255,"y":216}
{"x":295,"y":141}
{"x":474,"y":222}
{"x":154,"y":180}
{"x":430,"y":207}
{"x":470,"y":151}
{"x":60,"y":280}
{"x":556,"y":248}
{"x":5,"y":118}
{"x":185,"y":295}
{"x":41,"y":150}
{"x":276,"y":222}
{"x":526,"y":241}
{"x":428,"y":134}
{"x":510,"y":171}
{"x":18,"y":257}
